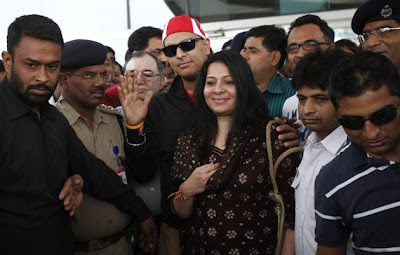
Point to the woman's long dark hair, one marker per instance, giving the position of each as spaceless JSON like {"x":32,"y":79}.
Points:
{"x":250,"y":106}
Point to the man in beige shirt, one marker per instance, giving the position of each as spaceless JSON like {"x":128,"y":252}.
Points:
{"x":99,"y":227}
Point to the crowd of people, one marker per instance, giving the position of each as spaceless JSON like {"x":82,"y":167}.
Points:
{"x":174,"y":152}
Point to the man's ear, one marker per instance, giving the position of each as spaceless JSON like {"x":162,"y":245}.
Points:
{"x":207,"y":46}
{"x":7,"y":61}
{"x":276,"y":57}
{"x":63,"y":81}
{"x":162,"y":81}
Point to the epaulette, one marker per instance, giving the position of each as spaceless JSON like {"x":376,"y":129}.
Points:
{"x":109,"y":109}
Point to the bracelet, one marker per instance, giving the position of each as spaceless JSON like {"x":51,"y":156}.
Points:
{"x":136,"y":144}
{"x":180,"y":195}
{"x":138,"y":126}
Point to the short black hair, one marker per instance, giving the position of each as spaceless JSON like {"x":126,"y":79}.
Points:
{"x":226,"y":44}
{"x":139,"y":39}
{"x":2,"y":69}
{"x":328,"y":32}
{"x":109,"y":49}
{"x":274,"y":39}
{"x":361,"y":72}
{"x":35,"y":26}
{"x":349,"y":44}
{"x":120,"y":66}
{"x":314,"y":69}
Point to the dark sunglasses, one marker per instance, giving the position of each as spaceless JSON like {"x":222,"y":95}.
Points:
{"x":186,"y":45}
{"x":378,"y":118}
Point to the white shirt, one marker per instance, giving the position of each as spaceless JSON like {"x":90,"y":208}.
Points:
{"x":290,"y":109}
{"x":315,"y":156}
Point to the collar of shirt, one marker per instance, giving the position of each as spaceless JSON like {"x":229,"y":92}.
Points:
{"x":177,"y":89}
{"x":377,"y":162}
{"x":360,"y":159}
{"x":275,"y":85}
{"x":15,"y":107}
{"x":73,"y":116}
{"x":333,"y":143}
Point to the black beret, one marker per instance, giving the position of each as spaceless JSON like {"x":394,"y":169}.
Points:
{"x":375,"y":10}
{"x":80,"y":53}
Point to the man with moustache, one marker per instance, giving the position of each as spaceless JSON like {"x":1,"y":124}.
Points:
{"x":326,"y":140}
{"x":83,"y":80}
{"x":39,"y":150}
{"x":307,"y":34}
{"x":377,"y":23}
{"x":265,"y":52}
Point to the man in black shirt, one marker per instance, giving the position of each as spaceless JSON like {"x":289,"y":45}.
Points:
{"x":39,"y":150}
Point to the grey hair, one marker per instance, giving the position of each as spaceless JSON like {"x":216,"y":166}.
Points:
{"x":142,"y":53}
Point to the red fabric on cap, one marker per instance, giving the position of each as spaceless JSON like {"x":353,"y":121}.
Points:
{"x":183,"y":23}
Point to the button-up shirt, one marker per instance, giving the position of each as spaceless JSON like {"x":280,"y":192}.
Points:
{"x":36,"y":157}
{"x":278,"y":90}
{"x":97,"y":219}
{"x":316,"y":154}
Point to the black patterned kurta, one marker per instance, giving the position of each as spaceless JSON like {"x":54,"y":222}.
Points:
{"x":239,"y":218}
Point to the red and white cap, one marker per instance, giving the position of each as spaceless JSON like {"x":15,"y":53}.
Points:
{"x":183,"y":23}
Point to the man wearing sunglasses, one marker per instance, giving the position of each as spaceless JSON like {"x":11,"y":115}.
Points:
{"x":377,"y":23}
{"x":99,"y":227}
{"x":155,"y":127}
{"x":358,"y":192}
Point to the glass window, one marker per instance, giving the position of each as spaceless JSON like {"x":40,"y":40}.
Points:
{"x":222,"y":10}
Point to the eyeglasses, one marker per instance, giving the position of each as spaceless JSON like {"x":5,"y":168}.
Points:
{"x":185,"y":45}
{"x":379,"y":32}
{"x":147,"y":74}
{"x":92,"y":76}
{"x":309,"y":45}
{"x":377,"y":118}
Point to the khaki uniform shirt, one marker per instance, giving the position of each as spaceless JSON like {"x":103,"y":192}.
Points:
{"x":96,"y":219}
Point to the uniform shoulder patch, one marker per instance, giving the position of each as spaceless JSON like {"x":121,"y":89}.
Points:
{"x":109,"y":109}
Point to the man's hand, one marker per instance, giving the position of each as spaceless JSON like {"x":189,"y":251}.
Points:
{"x":148,"y":237}
{"x":135,"y":109}
{"x":288,"y":132}
{"x":196,"y":183}
{"x":72,"y":194}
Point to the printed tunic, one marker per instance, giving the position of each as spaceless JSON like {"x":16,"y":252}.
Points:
{"x":239,"y":217}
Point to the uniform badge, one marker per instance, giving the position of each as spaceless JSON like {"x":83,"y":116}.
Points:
{"x":386,"y":11}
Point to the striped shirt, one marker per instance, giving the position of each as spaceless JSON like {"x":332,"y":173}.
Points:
{"x":278,"y":90}
{"x":360,"y":194}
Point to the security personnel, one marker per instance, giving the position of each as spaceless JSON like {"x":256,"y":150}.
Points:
{"x":99,"y":227}
{"x":377,"y":23}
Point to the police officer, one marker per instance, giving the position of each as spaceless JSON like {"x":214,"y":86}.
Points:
{"x":99,"y":227}
{"x":377,"y":23}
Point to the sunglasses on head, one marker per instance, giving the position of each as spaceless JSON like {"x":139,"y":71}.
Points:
{"x":186,"y":45}
{"x":378,"y":118}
